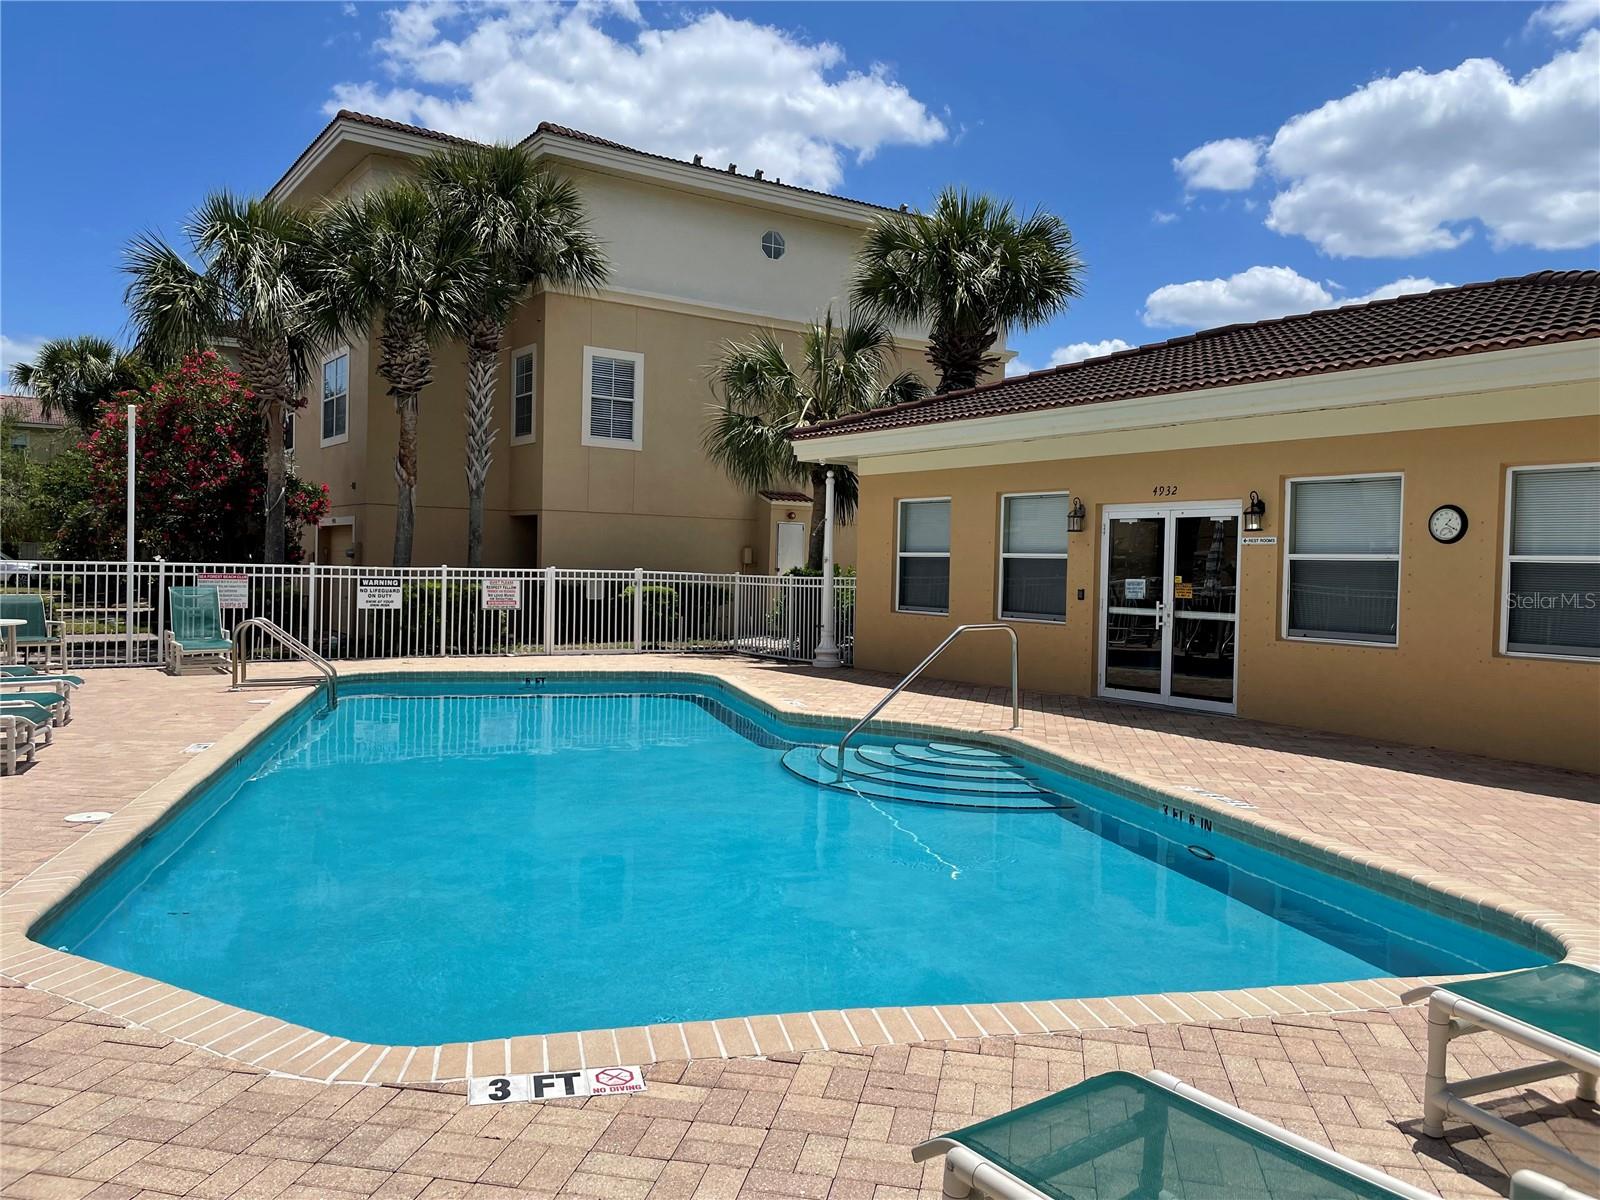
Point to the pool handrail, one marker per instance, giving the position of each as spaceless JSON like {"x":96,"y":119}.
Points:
{"x":1016,"y":702}
{"x":291,"y":643}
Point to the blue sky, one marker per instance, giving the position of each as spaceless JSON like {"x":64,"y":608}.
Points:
{"x":1216,"y":162}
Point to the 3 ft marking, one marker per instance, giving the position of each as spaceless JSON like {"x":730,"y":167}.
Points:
{"x":555,"y":1085}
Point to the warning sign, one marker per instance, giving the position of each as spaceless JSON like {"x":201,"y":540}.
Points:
{"x":233,"y":591}
{"x":502,"y":593}
{"x":1183,"y":591}
{"x":1133,"y":589}
{"x":378,"y":592}
{"x":555,"y":1085}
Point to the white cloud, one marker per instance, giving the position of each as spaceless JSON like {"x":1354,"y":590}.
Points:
{"x":1227,"y":165}
{"x":1256,"y":295}
{"x":1078,"y":351}
{"x":14,"y":350}
{"x":1566,"y":17}
{"x":348,"y":9}
{"x":1017,"y":367}
{"x":1405,"y":166}
{"x":1161,"y":217}
{"x":731,"y":89}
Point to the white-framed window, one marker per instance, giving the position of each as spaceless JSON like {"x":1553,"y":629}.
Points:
{"x":1342,"y":566}
{"x":613,"y":398}
{"x":524,"y":394}
{"x":1552,"y":563}
{"x":772,"y":244}
{"x":922,"y":556}
{"x":1033,"y":556}
{"x":336,"y":398}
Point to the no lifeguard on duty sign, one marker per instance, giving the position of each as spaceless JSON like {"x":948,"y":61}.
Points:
{"x":555,"y":1085}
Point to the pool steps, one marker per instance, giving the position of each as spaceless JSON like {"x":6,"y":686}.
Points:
{"x":925,"y":773}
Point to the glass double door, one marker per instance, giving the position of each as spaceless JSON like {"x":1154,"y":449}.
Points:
{"x":1170,"y":604}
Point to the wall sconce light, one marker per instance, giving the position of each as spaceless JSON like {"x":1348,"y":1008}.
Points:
{"x":1253,"y":513}
{"x":1075,"y":516}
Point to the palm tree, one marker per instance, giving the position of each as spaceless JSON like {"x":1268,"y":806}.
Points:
{"x":969,"y":270}
{"x":765,"y":398}
{"x":78,"y":377}
{"x":529,"y":227}
{"x":254,"y":287}
{"x":393,"y":259}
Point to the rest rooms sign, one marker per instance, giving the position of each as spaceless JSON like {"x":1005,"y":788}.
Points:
{"x":555,"y":1085}
{"x":502,"y":593}
{"x":378,"y":593}
{"x":233,"y":591}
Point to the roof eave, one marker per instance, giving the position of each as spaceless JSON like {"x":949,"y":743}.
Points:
{"x":1523,"y":366}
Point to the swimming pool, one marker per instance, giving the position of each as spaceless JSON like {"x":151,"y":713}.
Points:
{"x":470,"y":859}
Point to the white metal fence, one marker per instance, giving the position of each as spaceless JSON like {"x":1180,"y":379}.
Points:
{"x":116,"y":615}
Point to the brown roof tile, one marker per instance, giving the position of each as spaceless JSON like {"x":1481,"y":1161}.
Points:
{"x":1549,"y":306}
{"x":30,"y":411}
{"x":786,"y":497}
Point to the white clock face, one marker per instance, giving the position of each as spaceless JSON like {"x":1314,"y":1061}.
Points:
{"x":1446,"y":524}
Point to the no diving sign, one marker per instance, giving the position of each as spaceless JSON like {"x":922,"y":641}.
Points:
{"x":555,"y":1085}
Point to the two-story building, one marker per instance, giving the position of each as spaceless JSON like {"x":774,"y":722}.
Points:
{"x":599,"y":462}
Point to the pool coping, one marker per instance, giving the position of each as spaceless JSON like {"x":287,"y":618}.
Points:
{"x":283,"y":1047}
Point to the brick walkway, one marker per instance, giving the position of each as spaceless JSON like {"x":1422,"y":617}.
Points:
{"x":94,"y":1108}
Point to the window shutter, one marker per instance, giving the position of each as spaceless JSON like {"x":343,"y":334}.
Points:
{"x":612,"y":392}
{"x":1346,"y":516}
{"x":1036,"y":524}
{"x":1556,"y":513}
{"x":925,"y":527}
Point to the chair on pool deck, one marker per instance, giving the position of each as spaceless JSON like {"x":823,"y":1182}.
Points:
{"x":36,"y":633}
{"x":23,"y":726}
{"x":34,"y":675}
{"x":1119,"y":1136}
{"x":197,"y":631}
{"x":1554,"y":1010}
{"x":45,"y":693}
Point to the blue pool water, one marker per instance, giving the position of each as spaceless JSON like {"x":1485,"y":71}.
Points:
{"x":419,"y":867}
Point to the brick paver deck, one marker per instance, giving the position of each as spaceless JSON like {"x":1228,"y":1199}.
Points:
{"x":95,"y":1107}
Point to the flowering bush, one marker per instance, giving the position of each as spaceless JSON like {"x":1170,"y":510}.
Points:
{"x":201,"y":474}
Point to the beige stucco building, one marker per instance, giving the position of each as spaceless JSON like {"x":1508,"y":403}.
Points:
{"x":1424,"y":561}
{"x":599,"y":460}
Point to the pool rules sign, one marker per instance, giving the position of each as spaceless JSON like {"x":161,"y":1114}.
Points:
{"x":555,"y":1085}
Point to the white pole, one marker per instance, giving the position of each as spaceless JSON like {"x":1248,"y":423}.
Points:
{"x":127,"y":620}
{"x":828,"y":643}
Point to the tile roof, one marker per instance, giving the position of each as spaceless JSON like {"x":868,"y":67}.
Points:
{"x":786,"y":497}
{"x":576,"y":135}
{"x":1548,"y":306}
{"x":30,"y":411}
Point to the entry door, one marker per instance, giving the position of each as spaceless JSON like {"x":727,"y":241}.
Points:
{"x":1170,"y":605}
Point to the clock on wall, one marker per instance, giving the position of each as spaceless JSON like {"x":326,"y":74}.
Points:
{"x":1448,"y":524}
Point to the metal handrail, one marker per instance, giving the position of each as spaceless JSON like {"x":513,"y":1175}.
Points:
{"x":1016,"y":703}
{"x":293,"y":644}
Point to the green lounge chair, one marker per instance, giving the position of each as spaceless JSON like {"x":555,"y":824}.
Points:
{"x":20,"y":726}
{"x":37,"y":633}
{"x":17,"y":671}
{"x":1554,"y":1010}
{"x":197,"y":631}
{"x":53,"y":696}
{"x":1125,"y":1137}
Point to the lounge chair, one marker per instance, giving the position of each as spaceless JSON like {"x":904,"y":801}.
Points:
{"x":18,"y":671}
{"x":24,"y":726}
{"x":19,"y":734}
{"x":1554,"y":1010}
{"x":37,"y":633}
{"x":1119,"y":1136}
{"x":197,"y":631}
{"x":51,"y":696}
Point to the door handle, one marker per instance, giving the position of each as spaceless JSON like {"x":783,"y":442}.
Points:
{"x":1161,"y":614}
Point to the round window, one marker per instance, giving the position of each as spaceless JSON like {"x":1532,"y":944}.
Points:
{"x":772,"y":244}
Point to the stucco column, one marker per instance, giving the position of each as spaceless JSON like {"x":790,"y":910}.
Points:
{"x":828,"y":643}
